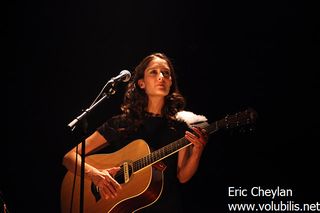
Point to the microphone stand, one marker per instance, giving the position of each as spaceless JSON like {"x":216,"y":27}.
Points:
{"x":82,"y":118}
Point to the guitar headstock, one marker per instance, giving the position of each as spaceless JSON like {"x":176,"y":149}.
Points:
{"x":243,"y":118}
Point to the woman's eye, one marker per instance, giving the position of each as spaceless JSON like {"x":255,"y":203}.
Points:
{"x":166,"y":73}
{"x":153,"y":72}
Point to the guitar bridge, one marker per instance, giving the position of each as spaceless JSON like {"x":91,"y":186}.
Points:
{"x":126,"y":172}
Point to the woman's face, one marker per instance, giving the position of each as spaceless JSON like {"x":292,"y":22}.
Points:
{"x":157,"y":78}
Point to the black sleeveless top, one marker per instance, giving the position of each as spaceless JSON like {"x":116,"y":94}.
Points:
{"x":157,"y":133}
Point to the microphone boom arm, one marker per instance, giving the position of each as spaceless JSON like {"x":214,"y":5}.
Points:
{"x":73,"y":123}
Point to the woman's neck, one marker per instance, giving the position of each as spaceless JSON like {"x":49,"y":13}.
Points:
{"x":155,"y":105}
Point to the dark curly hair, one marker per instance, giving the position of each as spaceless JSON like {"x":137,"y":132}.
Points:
{"x":135,"y":100}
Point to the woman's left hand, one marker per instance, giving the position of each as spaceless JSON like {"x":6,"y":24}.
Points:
{"x":199,"y":140}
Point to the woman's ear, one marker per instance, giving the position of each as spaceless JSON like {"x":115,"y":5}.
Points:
{"x":141,"y":84}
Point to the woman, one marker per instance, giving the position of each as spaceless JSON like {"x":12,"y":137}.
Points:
{"x":150,"y":107}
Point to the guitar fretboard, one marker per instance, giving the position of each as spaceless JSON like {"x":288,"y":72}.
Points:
{"x":160,"y":154}
{"x":168,"y":150}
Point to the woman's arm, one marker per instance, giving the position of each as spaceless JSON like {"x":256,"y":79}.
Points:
{"x":93,"y":142}
{"x":189,"y":158}
{"x":101,"y":178}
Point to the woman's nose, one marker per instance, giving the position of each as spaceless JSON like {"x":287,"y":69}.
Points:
{"x":161,"y":76}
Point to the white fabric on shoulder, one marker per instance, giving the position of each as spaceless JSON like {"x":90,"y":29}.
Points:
{"x":191,"y":118}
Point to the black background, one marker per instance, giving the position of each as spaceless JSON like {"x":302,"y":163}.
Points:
{"x":228,"y":56}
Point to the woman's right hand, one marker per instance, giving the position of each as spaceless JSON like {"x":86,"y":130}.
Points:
{"x":103,"y":179}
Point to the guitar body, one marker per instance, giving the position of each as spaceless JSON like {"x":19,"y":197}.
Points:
{"x":143,"y":188}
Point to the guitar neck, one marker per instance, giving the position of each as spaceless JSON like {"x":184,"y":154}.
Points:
{"x":245,"y":117}
{"x":160,"y":154}
{"x":168,"y":150}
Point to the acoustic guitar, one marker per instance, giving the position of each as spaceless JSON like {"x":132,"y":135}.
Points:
{"x":140,"y":174}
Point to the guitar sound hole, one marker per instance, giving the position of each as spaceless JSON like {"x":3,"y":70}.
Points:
{"x":119,"y":177}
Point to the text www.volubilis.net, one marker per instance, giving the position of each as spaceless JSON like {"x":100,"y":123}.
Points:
{"x":272,"y":206}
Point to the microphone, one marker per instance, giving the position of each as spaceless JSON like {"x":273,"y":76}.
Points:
{"x":124,"y":76}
